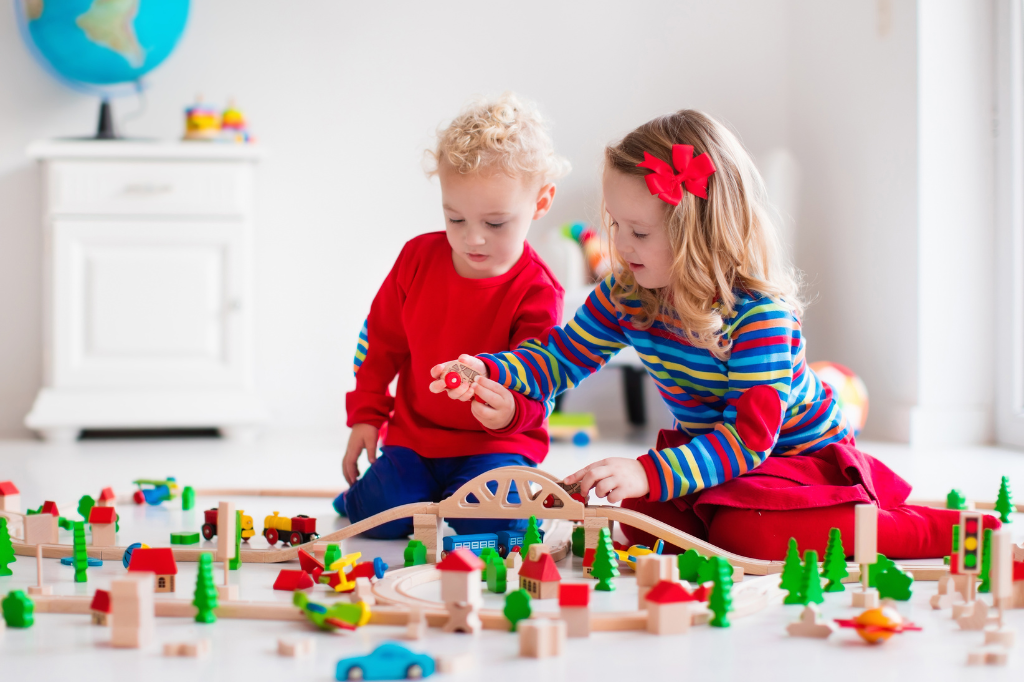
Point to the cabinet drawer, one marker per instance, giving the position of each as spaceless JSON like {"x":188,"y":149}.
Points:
{"x":146,"y":188}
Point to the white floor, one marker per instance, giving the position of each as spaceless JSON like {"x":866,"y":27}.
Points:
{"x":68,"y":647}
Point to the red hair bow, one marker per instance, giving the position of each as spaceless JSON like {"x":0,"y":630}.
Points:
{"x":693,"y":174}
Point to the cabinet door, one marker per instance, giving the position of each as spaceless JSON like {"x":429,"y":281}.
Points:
{"x":157,"y":304}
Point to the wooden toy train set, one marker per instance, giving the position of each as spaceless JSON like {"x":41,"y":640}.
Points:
{"x":700,"y":586}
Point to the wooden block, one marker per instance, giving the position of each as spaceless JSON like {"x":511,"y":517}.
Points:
{"x":227,"y":592}
{"x":198,"y":649}
{"x":973,"y":616}
{"x":577,"y":620}
{"x":40,"y":589}
{"x":541,"y":637}
{"x":1003,"y":637}
{"x":461,"y":586}
{"x":811,"y":624}
{"x":865,"y":599}
{"x":452,"y":664}
{"x":463,"y":617}
{"x":296,"y":648}
{"x":1001,"y":566}
{"x":225,"y":531}
{"x":536,"y":550}
{"x":427,"y":529}
{"x":987,"y":656}
{"x":592,"y":526}
{"x":416,"y":627}
{"x":104,"y":535}
{"x":363,"y":592}
{"x":651,"y":569}
{"x":41,"y":529}
{"x":514,"y":561}
{"x":865,"y":537}
{"x":132,"y":607}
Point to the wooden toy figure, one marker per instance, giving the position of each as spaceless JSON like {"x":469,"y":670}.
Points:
{"x":415,"y":553}
{"x":810,"y":585}
{"x":720,"y":602}
{"x":80,"y":556}
{"x":792,"y":574}
{"x":605,"y":563}
{"x":205,"y":599}
{"x":517,"y":608}
{"x":835,"y":562}
{"x":6,"y":548}
{"x":1004,"y":505}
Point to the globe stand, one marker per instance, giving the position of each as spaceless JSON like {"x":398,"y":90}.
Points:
{"x":105,"y":125}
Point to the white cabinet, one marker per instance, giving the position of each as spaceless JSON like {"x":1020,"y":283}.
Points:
{"x":148,"y":304}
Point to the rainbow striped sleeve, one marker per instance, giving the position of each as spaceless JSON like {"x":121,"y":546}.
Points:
{"x":763,"y":334}
{"x":362,"y":345}
{"x":544,"y":367}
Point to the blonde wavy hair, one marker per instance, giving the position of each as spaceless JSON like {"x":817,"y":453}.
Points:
{"x":505,"y":134}
{"x":724,"y":243}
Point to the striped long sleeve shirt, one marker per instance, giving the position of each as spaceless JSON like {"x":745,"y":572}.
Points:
{"x":762,"y":400}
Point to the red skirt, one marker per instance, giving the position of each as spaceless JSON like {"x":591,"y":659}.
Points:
{"x":803,"y":496}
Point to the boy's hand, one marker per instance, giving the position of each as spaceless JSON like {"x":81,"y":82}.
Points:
{"x":363,"y":437}
{"x":615,"y":478}
{"x":463,"y":392}
{"x":498,"y":408}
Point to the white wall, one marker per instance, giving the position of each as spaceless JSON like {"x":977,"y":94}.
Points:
{"x":853,"y":108}
{"x":346,"y":97}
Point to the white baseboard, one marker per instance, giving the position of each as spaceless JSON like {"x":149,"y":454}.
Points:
{"x":951,"y":426}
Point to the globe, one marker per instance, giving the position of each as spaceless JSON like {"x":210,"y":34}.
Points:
{"x":101,"y":47}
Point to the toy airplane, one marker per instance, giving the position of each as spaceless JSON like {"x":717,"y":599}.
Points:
{"x":630,"y":555}
{"x":162,"y":490}
{"x":337,"y":616}
{"x":877,"y":625}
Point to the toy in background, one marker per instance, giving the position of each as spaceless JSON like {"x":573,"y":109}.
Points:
{"x":162,"y":490}
{"x":205,"y":123}
{"x":578,"y":427}
{"x":599,"y":262}
{"x":294,"y":531}
{"x":849,"y":391}
{"x":210,"y":527}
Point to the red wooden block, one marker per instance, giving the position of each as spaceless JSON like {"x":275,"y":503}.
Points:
{"x":291,"y":580}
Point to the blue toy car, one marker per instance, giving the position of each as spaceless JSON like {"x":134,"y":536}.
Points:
{"x":389,"y":661}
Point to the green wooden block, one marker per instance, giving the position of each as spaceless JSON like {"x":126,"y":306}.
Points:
{"x":184,"y":538}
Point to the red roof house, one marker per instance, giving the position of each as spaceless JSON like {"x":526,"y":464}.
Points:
{"x":668,"y":608}
{"x":669,"y":592}
{"x":574,"y":600}
{"x":159,"y":560}
{"x":100,"y":607}
{"x":460,"y":577}
{"x":588,"y":560}
{"x":10,"y":497}
{"x":49,"y":508}
{"x":102,"y":515}
{"x":107,"y":498}
{"x":104,"y":529}
{"x":540,"y":578}
{"x":291,"y":580}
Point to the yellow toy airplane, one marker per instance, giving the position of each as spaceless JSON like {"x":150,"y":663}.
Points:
{"x":630,"y":555}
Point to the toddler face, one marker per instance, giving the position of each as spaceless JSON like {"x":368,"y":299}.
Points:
{"x":638,"y":228}
{"x":487,"y":215}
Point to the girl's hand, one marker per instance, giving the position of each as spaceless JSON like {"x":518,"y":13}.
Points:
{"x":615,"y":478}
{"x":498,"y":408}
{"x":463,"y":392}
{"x":363,"y":437}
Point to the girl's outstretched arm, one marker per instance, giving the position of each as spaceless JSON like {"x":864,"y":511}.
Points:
{"x":543,"y":367}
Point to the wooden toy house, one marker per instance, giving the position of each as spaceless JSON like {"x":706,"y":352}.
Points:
{"x":669,"y":608}
{"x":540,"y":577}
{"x":100,"y":608}
{"x":10,"y":497}
{"x":574,"y":602}
{"x":160,"y":562}
{"x":42,"y":528}
{"x":107,"y":498}
{"x":588,"y":560}
{"x":460,"y":577}
{"x":104,"y":526}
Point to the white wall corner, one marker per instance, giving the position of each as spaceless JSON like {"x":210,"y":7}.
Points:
{"x":951,"y":426}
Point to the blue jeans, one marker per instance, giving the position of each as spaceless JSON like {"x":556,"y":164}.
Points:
{"x":400,"y":476}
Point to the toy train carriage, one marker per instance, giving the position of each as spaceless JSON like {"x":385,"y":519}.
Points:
{"x":502,"y":542}
{"x":575,"y":491}
{"x":210,"y":526}
{"x":296,"y":530}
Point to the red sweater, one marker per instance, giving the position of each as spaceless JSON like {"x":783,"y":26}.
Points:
{"x":426,"y":313}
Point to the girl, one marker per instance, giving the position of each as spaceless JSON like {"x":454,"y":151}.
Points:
{"x":761,"y":451}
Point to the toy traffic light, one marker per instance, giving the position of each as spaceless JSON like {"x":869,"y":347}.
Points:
{"x":969,"y":553}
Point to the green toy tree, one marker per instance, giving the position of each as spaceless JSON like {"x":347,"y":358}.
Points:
{"x":810,"y":584}
{"x":606,"y":562}
{"x":205,"y":599}
{"x":485,"y":554}
{"x":80,"y":558}
{"x":188,"y":498}
{"x":956,"y":544}
{"x":333,"y":553}
{"x":85,"y":505}
{"x":496,"y":574}
{"x":532,"y":537}
{"x":517,"y":608}
{"x":236,"y":563}
{"x":690,"y":563}
{"x":415,"y":553}
{"x":18,"y":609}
{"x":835,"y":562}
{"x":1004,"y":503}
{"x":955,"y":500}
{"x":6,"y":548}
{"x":579,"y":540}
{"x":986,"y":562}
{"x":792,"y":574}
{"x":876,"y":569}
{"x":720,"y":601}
{"x":894,"y":584}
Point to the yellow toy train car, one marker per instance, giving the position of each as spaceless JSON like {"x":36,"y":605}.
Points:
{"x":296,"y":530}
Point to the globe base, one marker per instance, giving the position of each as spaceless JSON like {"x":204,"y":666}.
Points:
{"x":105,"y":127}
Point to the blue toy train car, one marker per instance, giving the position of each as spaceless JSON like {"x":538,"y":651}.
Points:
{"x":502,"y":542}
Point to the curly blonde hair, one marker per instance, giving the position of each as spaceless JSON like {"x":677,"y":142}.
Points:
{"x":724,"y":243}
{"x":506,"y":134}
